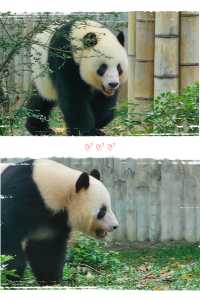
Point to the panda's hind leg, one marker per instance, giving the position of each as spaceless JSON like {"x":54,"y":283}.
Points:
{"x":47,"y":258}
{"x":39,"y":111}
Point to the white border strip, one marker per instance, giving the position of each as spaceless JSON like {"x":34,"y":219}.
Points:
{"x":182,"y":148}
{"x":63,"y":6}
{"x":99,"y":294}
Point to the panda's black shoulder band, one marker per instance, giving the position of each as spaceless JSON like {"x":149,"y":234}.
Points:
{"x":82,"y":182}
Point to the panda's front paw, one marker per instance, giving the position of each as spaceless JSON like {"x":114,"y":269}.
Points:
{"x":92,"y":132}
{"x":100,"y":132}
{"x":49,"y":131}
{"x":96,"y":132}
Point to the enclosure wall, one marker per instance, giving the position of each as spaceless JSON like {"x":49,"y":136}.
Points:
{"x":154,"y":200}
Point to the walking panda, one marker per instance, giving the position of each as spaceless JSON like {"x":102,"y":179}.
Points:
{"x":43,"y":201}
{"x":79,"y":65}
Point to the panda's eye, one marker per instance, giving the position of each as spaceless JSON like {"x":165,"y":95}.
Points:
{"x":102,"y":212}
{"x":119,"y":69}
{"x":102,"y":69}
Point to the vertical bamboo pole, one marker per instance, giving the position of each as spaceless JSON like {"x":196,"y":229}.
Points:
{"x":189,"y":48}
{"x":144,"y":65}
{"x":166,"y":67}
{"x":131,"y":60}
{"x":123,"y":92}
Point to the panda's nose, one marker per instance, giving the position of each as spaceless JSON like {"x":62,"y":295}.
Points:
{"x":115,"y":227}
{"x":113,"y":84}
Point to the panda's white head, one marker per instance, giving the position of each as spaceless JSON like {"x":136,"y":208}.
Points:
{"x":101,"y":56}
{"x":90,"y":208}
{"x":83,"y":196}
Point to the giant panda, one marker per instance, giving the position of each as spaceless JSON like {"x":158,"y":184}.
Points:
{"x":43,"y":202}
{"x":79,"y":65}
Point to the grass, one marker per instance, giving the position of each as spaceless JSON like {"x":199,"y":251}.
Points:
{"x":163,"y":267}
{"x":146,"y":266}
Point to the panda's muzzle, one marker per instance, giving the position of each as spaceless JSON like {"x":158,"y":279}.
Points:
{"x":111,"y":89}
{"x":102,"y":233}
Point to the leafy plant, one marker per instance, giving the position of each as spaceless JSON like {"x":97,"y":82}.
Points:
{"x":176,"y":114}
{"x":172,"y":114}
{"x":121,"y":125}
{"x":91,"y":263}
{"x":5,"y":273}
{"x":93,"y":253}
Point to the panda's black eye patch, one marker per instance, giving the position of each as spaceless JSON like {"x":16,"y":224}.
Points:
{"x":102,"y":212}
{"x":102,"y":69}
{"x":119,"y":69}
{"x":89,"y":40}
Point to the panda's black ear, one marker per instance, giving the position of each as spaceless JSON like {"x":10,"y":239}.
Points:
{"x":121,"y":38}
{"x":95,"y":173}
{"x":89,"y":40}
{"x":82,"y":182}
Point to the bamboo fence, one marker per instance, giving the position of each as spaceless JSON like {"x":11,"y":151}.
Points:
{"x":153,"y":200}
{"x":163,"y":55}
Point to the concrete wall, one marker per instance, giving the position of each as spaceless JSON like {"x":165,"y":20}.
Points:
{"x":153,"y":200}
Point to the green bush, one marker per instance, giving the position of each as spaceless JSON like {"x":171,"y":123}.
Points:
{"x":5,"y":273}
{"x":176,"y":114}
{"x":172,"y":114}
{"x":93,"y":253}
{"x":90,"y":263}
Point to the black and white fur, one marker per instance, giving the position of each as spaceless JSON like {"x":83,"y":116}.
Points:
{"x":79,"y":65}
{"x":42,"y":203}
